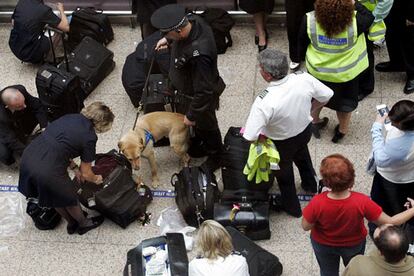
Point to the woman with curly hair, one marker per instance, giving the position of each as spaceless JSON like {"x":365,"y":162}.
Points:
{"x":332,"y":42}
{"x":336,"y":217}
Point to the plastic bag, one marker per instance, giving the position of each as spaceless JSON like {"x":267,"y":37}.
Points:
{"x":172,"y":221}
{"x":12,"y":213}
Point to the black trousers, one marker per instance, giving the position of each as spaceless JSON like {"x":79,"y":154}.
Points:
{"x":390,"y":196}
{"x":400,"y":38}
{"x":294,"y":150}
{"x":295,"y":11}
{"x":367,"y":78}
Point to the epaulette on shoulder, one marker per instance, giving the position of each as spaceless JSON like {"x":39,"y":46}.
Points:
{"x":299,"y":72}
{"x":236,"y":253}
{"x":263,"y":94}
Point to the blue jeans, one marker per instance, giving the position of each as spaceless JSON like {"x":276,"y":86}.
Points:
{"x":329,"y":256}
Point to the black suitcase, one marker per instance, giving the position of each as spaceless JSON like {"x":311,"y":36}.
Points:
{"x":157,"y":94}
{"x":233,"y":159}
{"x":137,"y":64}
{"x":248,"y":215}
{"x":59,"y":90}
{"x":44,"y":218}
{"x":177,"y":255}
{"x":260,"y":261}
{"x":117,"y":198}
{"x":92,"y":62}
{"x":89,"y":22}
{"x":196,"y":191}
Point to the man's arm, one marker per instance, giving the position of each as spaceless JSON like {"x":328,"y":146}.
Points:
{"x":35,"y":105}
{"x":256,"y":121}
{"x":382,"y":9}
{"x":203,"y":86}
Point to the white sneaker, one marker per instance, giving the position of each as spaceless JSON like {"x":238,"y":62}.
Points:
{"x":294,"y":65}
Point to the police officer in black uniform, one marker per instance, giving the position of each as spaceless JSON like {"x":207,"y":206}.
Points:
{"x":193,"y":73}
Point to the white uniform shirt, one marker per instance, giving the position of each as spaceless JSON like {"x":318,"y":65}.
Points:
{"x":232,"y":265}
{"x":283,"y":110}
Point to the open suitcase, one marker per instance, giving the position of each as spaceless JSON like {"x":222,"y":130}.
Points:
{"x":177,"y":255}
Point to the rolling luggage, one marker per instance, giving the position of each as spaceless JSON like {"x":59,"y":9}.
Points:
{"x":177,"y":255}
{"x":118,"y":197}
{"x":92,"y":62}
{"x":233,"y":159}
{"x":59,"y":90}
{"x":196,"y":191}
{"x":248,"y":215}
{"x":137,"y":64}
{"x":90,"y":22}
{"x":260,"y":261}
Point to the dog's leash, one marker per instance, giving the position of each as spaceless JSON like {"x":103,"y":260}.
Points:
{"x":144,"y":90}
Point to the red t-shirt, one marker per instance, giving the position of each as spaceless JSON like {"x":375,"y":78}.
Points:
{"x":340,"y":222}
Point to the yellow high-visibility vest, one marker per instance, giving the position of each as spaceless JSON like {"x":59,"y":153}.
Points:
{"x":335,"y":59}
{"x":377,"y":29}
{"x":261,"y":155}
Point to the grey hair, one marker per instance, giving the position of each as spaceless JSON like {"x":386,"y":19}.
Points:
{"x":274,"y":62}
{"x":9,"y":95}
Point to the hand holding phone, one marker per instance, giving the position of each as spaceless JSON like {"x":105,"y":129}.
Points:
{"x":383,"y":112}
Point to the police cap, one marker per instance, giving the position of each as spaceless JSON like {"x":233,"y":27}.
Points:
{"x":169,"y":17}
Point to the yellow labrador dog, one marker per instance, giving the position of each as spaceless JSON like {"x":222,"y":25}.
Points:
{"x":149,"y":129}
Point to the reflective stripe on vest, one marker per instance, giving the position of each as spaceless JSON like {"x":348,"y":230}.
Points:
{"x":377,"y":31}
{"x":369,"y":4}
{"x":335,"y":59}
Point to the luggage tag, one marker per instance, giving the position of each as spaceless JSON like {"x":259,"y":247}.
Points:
{"x":274,"y":166}
{"x":91,"y":202}
{"x":168,"y":107}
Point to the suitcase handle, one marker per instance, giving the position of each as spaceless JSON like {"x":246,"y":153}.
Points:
{"x":65,"y":54}
{"x":86,"y":9}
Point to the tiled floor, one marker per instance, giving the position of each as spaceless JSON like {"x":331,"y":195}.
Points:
{"x":103,"y":251}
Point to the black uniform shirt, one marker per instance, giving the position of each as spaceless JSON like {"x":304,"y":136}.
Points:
{"x":12,"y":123}
{"x":30,"y":17}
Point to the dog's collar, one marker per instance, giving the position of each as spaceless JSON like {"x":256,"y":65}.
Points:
{"x":148,"y":137}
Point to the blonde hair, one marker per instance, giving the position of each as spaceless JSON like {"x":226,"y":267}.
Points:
{"x":100,"y":115}
{"x":213,"y":240}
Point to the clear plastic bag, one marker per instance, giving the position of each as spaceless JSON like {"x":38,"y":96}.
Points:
{"x":172,"y":221}
{"x":12,"y":213}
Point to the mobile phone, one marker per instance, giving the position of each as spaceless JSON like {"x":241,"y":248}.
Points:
{"x":382,"y":110}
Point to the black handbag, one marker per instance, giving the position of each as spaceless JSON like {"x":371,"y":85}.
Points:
{"x":44,"y":218}
{"x":260,"y":261}
{"x":249,"y":215}
{"x":196,"y":191}
{"x":177,"y":255}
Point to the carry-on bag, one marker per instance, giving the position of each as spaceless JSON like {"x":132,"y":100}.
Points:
{"x":260,"y":261}
{"x":196,"y":191}
{"x":233,"y":159}
{"x":249,"y":216}
{"x":44,"y":218}
{"x":92,"y":62}
{"x":172,"y":243}
{"x":59,"y":90}
{"x":118,"y":198}
{"x":90,"y":22}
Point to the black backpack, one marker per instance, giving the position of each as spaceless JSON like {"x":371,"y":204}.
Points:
{"x":196,"y":192}
{"x":44,"y":218}
{"x":221,"y":23}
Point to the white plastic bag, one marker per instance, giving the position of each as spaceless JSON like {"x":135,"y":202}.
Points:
{"x":172,"y":221}
{"x":12,"y":213}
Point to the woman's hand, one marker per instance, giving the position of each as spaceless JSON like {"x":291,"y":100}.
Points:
{"x":381,"y":119}
{"x":98,"y":180}
{"x":78,"y":175}
{"x":409,"y":204}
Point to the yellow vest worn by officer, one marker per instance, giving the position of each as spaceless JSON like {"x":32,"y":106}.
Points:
{"x":377,"y":29}
{"x":261,"y":156}
{"x":335,"y":59}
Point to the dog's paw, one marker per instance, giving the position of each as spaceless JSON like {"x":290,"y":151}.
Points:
{"x":155,"y":183}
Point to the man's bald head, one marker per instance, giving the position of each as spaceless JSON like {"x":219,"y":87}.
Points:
{"x":392,"y":242}
{"x":13,"y":99}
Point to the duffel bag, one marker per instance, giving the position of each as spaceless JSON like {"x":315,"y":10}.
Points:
{"x":260,"y":261}
{"x":196,"y":191}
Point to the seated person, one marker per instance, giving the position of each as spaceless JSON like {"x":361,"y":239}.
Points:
{"x":29,"y":18}
{"x":389,"y":258}
{"x":215,"y":253}
{"x":20,"y":113}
